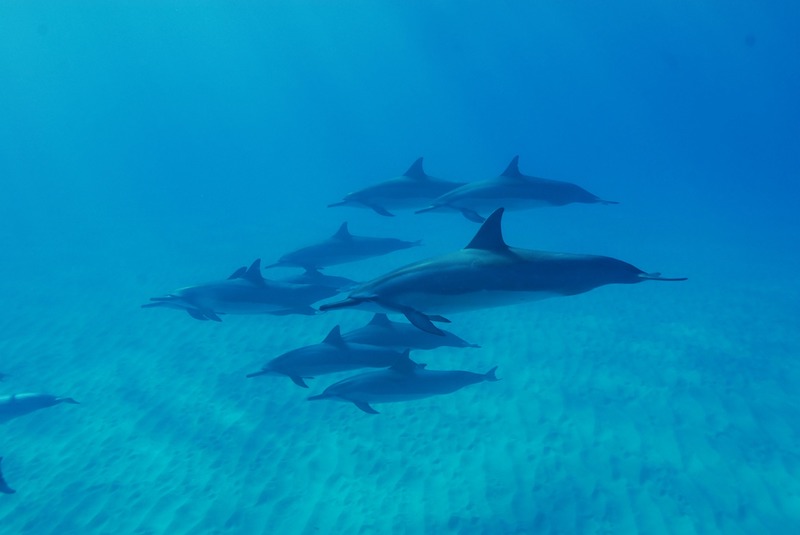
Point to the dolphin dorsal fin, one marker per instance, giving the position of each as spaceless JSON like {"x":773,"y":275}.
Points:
{"x":490,"y":235}
{"x":253,"y":273}
{"x":343,"y":233}
{"x":381,"y":320}
{"x":238,"y":273}
{"x":512,"y":171}
{"x":404,"y":364}
{"x":334,"y":337}
{"x":416,"y":171}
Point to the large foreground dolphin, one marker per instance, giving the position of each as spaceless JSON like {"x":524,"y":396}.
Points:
{"x":341,"y":248}
{"x":512,"y":190}
{"x":246,"y":291}
{"x":381,"y":331}
{"x":17,"y":405}
{"x":486,"y":273}
{"x":404,"y":381}
{"x":4,"y":488}
{"x":331,"y":356}
{"x":412,"y":189}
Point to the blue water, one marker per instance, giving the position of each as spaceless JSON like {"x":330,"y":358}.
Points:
{"x":146,"y":146}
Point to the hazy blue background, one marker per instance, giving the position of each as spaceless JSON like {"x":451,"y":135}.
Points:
{"x":167,"y":143}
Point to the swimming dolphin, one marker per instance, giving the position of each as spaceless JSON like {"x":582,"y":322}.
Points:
{"x":412,"y":189}
{"x":341,"y":248}
{"x":486,"y":273}
{"x":4,"y":488}
{"x":316,"y":277}
{"x":381,"y":331}
{"x":512,"y":190}
{"x":18,"y":405}
{"x":246,"y":291}
{"x":404,"y":381}
{"x":331,"y":356}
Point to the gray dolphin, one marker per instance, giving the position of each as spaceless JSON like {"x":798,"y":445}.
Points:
{"x":316,"y":277}
{"x":512,"y":190}
{"x":381,"y":331}
{"x":341,"y":248}
{"x":412,"y":189}
{"x":331,"y":356}
{"x":404,"y":381}
{"x":486,"y":273}
{"x":4,"y":488}
{"x":17,"y":405}
{"x":246,"y":291}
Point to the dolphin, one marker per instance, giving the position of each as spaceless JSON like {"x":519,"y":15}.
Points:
{"x":381,"y":331}
{"x":486,"y":273}
{"x":412,"y":189}
{"x":4,"y":488}
{"x":403,"y":381}
{"x":315,"y":277}
{"x":341,"y":248}
{"x":18,"y":405}
{"x":331,"y":356}
{"x":246,"y":291}
{"x":512,"y":190}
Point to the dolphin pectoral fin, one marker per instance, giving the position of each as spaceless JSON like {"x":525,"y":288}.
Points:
{"x":438,"y":318}
{"x":472,"y":215}
{"x":196,"y":314}
{"x":364,"y":406}
{"x":422,"y":322}
{"x":211,"y":315}
{"x":296,"y":379}
{"x":657,"y":277}
{"x":4,"y":488}
{"x":380,"y":210}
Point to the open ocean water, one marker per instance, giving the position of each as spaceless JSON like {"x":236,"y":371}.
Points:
{"x":146,"y":146}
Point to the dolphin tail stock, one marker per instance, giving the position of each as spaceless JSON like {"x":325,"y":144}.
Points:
{"x":490,"y":375}
{"x":655,"y":276}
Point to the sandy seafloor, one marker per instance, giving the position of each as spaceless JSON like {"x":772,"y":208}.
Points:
{"x":653,"y":408}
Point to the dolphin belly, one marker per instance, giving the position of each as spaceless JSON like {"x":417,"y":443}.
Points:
{"x":436,"y":303}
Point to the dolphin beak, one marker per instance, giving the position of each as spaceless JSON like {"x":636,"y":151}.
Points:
{"x":256,"y":374}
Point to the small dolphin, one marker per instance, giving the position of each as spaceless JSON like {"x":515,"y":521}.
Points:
{"x":404,"y":381}
{"x":341,"y":248}
{"x":331,"y":356}
{"x":244,"y":292}
{"x":316,"y":277}
{"x":381,"y":331}
{"x":512,"y":190}
{"x":486,"y":273}
{"x":412,"y":189}
{"x":18,"y":405}
{"x":4,"y":488}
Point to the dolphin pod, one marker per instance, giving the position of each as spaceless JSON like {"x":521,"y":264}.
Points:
{"x":410,"y":190}
{"x":512,"y":190}
{"x":341,"y":248}
{"x":246,"y":291}
{"x":333,"y":355}
{"x":404,"y":381}
{"x":486,"y":273}
{"x":4,"y":488}
{"x":17,"y":405}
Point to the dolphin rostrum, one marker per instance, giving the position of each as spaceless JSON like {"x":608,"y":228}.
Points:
{"x":486,"y":273}
{"x":4,"y":488}
{"x":331,"y":356}
{"x":404,"y":381}
{"x":381,"y":331}
{"x":412,"y":189}
{"x":341,"y":248}
{"x":17,"y":405}
{"x":512,"y":190}
{"x":246,"y":291}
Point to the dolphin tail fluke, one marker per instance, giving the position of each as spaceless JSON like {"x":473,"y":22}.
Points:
{"x":657,"y":277}
{"x":490,"y":376}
